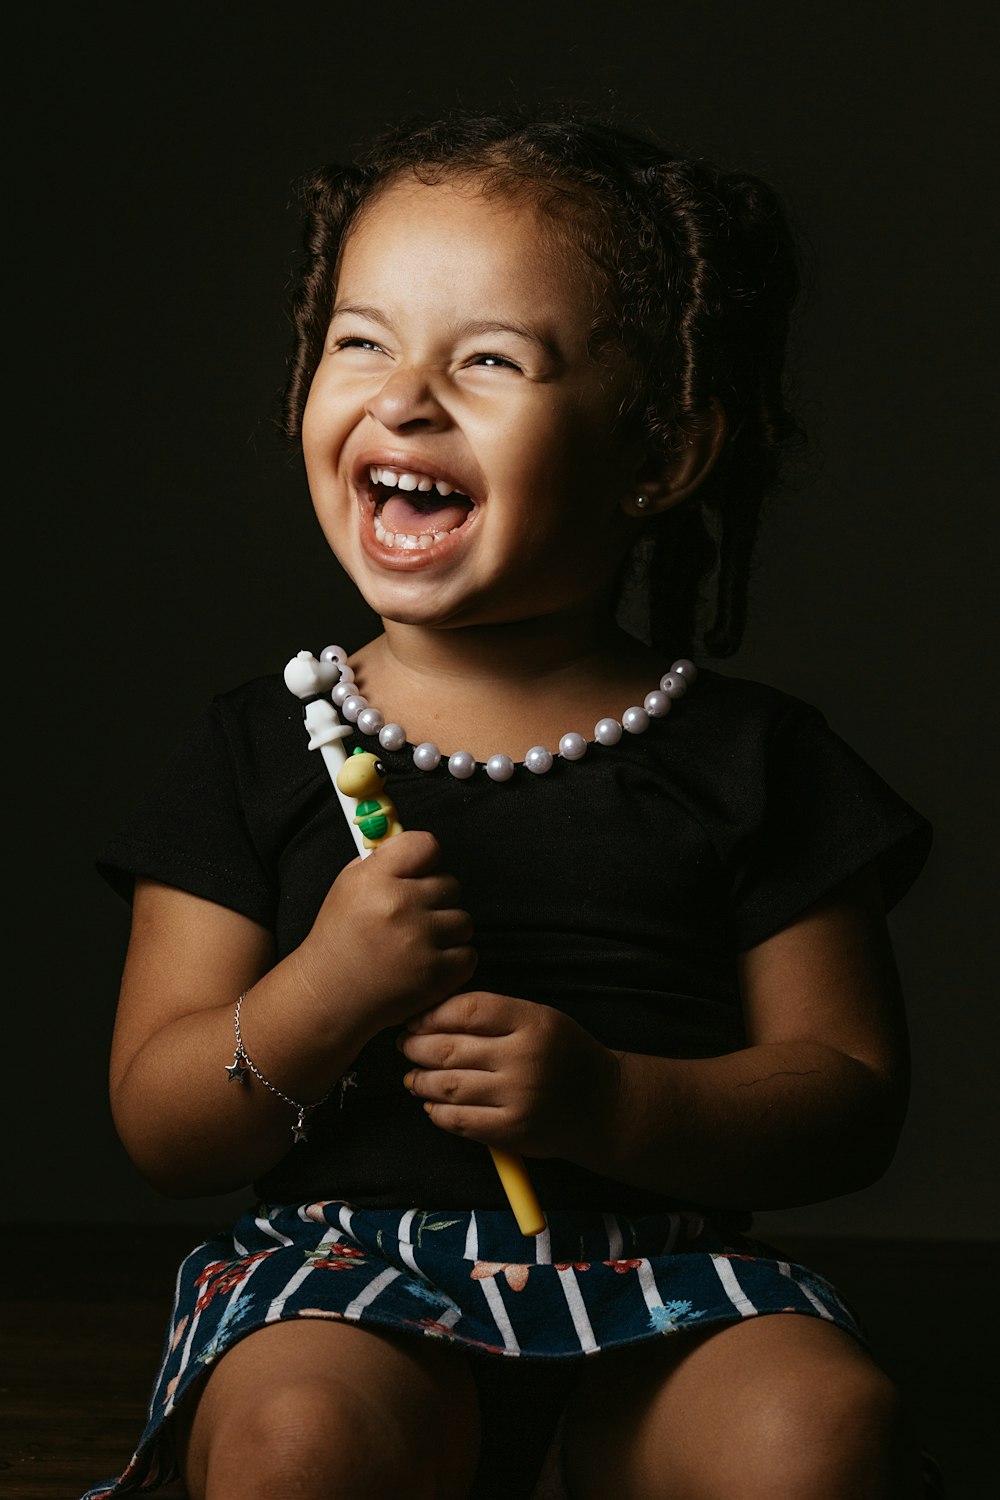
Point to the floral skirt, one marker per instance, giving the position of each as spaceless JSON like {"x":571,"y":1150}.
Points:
{"x":588,"y":1282}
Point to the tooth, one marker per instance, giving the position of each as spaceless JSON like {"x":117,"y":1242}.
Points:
{"x":425,"y":541}
{"x":408,"y":481}
{"x":389,"y":538}
{"x":439,"y":536}
{"x":374,"y":474}
{"x":443,"y":487}
{"x":425,"y":484}
{"x":389,"y":476}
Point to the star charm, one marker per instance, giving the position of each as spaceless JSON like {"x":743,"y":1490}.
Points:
{"x":237,"y":1072}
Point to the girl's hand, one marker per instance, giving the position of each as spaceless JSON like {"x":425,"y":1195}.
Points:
{"x":510,"y":1073}
{"x":390,"y":937}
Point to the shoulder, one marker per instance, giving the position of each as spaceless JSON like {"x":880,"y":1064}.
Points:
{"x":745,"y":706}
{"x":728,"y":733}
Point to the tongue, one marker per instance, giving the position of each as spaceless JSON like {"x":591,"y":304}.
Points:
{"x":415,"y":518}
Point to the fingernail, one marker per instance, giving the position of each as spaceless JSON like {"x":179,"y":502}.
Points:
{"x":408,"y":1080}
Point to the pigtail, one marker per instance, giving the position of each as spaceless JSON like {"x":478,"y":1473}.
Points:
{"x":730,"y":280}
{"x":328,"y":202}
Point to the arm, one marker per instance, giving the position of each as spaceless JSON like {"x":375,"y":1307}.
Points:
{"x":388,"y":936}
{"x":809,"y":1109}
{"x":814,"y":1104}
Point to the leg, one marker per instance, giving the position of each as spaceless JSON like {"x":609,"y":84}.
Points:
{"x":320,"y":1410}
{"x":782,"y":1405}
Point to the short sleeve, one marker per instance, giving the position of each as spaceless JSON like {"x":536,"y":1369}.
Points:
{"x":824,"y":814}
{"x":190,"y":829}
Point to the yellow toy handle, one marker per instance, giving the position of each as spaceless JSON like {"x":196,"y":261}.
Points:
{"x":524,"y":1204}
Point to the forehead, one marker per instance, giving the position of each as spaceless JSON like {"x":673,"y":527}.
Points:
{"x":453,"y":241}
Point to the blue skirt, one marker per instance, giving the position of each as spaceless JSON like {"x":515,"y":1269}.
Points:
{"x":589,"y":1282}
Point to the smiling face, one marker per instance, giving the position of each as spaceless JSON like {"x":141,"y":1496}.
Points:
{"x":460,"y":439}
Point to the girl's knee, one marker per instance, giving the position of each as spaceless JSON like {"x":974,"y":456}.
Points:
{"x":311,"y":1414}
{"x":790,"y":1410}
{"x":825,"y":1432}
{"x":311,"y":1443}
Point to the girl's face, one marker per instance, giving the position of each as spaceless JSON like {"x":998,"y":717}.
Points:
{"x":459,"y":439}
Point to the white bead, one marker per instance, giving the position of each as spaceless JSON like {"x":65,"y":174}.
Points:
{"x":538,"y":760}
{"x":685,"y":669}
{"x":462,"y":765}
{"x":346,"y":673}
{"x":392,"y":737}
{"x":673,"y":686}
{"x":352,"y":706}
{"x":370,"y":720}
{"x":607,"y":731}
{"x":426,"y":756}
{"x":499,"y":768}
{"x":656,"y":704}
{"x":635,"y":720}
{"x":572,"y":746}
{"x":333,"y":653}
{"x":341,"y":691}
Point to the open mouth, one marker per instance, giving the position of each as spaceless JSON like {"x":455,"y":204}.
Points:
{"x":413,"y":511}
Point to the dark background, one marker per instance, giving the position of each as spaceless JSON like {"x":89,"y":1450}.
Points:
{"x":164,"y":547}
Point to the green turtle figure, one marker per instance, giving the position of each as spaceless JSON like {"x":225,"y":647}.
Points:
{"x":363,"y":776}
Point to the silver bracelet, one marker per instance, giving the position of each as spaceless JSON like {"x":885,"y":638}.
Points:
{"x":241,"y":1066}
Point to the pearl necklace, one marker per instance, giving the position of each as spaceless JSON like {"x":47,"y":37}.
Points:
{"x":356,"y":709}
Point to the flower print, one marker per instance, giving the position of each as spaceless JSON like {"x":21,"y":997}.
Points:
{"x":432,"y":1328}
{"x":435,"y":1330}
{"x":621,"y":1266}
{"x":572,"y":1265}
{"x":426,"y":1293}
{"x":178,"y":1332}
{"x":236,"y":1313}
{"x":336,"y":1257}
{"x":425,"y":1222}
{"x":516,"y":1275}
{"x":221,"y":1276}
{"x":671,"y":1315}
{"x":315,"y":1212}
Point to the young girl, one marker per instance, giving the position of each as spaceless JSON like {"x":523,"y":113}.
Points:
{"x":537,"y":373}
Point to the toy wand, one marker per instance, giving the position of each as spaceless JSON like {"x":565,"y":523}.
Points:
{"x":312,"y":680}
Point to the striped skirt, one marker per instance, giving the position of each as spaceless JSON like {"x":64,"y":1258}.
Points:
{"x":589,"y":1282}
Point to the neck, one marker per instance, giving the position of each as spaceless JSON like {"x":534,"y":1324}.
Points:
{"x":503,"y":688}
{"x":525,"y":652}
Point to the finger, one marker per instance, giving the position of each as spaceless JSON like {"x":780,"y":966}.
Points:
{"x":444,"y":1049}
{"x":474,"y":1011}
{"x":453,"y":1086}
{"x":442,"y":891}
{"x":412,"y":853}
{"x":473,"y":1122}
{"x":452,"y":929}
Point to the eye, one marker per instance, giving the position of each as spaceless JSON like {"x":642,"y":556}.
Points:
{"x":493,"y":362}
{"x":359,"y":343}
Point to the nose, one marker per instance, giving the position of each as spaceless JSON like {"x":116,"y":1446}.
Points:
{"x":406,"y":400}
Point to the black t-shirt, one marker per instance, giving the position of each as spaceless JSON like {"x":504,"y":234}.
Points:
{"x":619,"y":888}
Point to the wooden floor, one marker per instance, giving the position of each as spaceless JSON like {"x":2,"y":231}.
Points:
{"x":77,"y":1356}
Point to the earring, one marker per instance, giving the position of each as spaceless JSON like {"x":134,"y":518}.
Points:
{"x":641,"y":501}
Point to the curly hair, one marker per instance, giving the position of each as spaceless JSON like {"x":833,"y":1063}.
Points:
{"x":697,"y":271}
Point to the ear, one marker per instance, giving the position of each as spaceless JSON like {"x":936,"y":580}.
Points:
{"x":659,"y":486}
